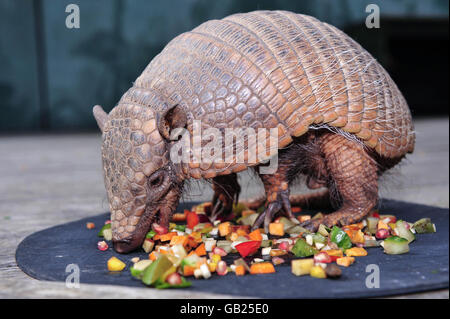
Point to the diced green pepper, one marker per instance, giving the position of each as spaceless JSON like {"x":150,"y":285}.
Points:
{"x":159,"y":284}
{"x":302,"y":249}
{"x":424,"y":226}
{"x":340,"y":238}
{"x":395,"y":245}
{"x":150,"y":234}
{"x":106,"y":226}
{"x":180,"y":227}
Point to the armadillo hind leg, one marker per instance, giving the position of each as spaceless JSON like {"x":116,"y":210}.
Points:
{"x":226,"y":193}
{"x":276,"y":187}
{"x":353,"y":177}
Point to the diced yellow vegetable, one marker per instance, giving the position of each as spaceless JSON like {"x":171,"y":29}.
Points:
{"x":115,"y":264}
{"x":345,"y":261}
{"x":356,"y":252}
{"x":224,"y":229}
{"x":300,"y":267}
{"x":318,"y":272}
{"x":382,"y":225}
{"x":276,"y":229}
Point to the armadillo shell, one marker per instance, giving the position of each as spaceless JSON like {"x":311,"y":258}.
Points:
{"x":277,"y":69}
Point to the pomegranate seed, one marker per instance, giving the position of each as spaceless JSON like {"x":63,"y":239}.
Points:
{"x":382,"y":233}
{"x":102,"y":245}
{"x":284,"y":245}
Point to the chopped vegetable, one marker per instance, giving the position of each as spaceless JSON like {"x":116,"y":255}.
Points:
{"x":262,"y":268}
{"x":322,"y":257}
{"x":255,"y":235}
{"x":239,"y":270}
{"x":156,"y":269}
{"x":148,"y":245}
{"x":302,"y":249}
{"x":303,"y":218}
{"x":372,"y":224}
{"x":382,"y":233}
{"x":276,"y":229}
{"x":102,"y":245}
{"x":395,"y":245}
{"x":248,"y":248}
{"x":323,"y":230}
{"x":222,"y":268}
{"x":340,"y":238}
{"x":115,"y":264}
{"x":345,"y":261}
{"x":424,"y":226}
{"x":300,"y":267}
{"x":401,"y":230}
{"x":318,"y":272}
{"x":356,"y":252}
{"x":150,"y":234}
{"x":138,"y":268}
{"x":106,"y":226}
{"x":224,"y":229}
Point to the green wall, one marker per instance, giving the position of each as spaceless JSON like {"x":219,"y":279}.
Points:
{"x":51,"y":76}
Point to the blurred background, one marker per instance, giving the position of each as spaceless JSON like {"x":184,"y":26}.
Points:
{"x":51,"y":76}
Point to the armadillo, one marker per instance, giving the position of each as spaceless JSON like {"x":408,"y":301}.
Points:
{"x":340,"y":119}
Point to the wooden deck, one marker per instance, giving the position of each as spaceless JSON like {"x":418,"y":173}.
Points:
{"x":47,"y":180}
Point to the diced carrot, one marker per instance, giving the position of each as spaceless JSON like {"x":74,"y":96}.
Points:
{"x":303,"y":218}
{"x":196,"y":236}
{"x":239,"y":270}
{"x":179,"y":217}
{"x":153,"y":255}
{"x":277,"y":252}
{"x":182,"y":240}
{"x":345,"y":261}
{"x":168,"y":236}
{"x":90,"y":225}
{"x":356,"y":235}
{"x":191,"y":253}
{"x":262,"y":268}
{"x":296,"y":209}
{"x":188,"y":270}
{"x":255,"y":235}
{"x":224,"y":229}
{"x":356,"y":252}
{"x":200,"y":250}
{"x":276,"y":229}
{"x":232,"y":236}
{"x":156,"y":237}
{"x":192,"y":219}
{"x":335,"y":252}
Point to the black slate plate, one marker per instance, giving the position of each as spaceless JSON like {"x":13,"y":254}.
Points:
{"x":44,"y":255}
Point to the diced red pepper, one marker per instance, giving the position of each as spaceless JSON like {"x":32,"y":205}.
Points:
{"x":192,"y":219}
{"x":102,"y":245}
{"x":160,"y":230}
{"x":334,"y":258}
{"x":248,"y":247}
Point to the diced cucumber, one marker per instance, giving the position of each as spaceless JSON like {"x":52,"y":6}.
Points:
{"x":106,"y":226}
{"x":318,"y":238}
{"x":424,"y":226}
{"x":296,"y":229}
{"x":107,"y":234}
{"x":402,"y":231}
{"x":138,"y":268}
{"x":156,"y":270}
{"x":372,"y":223}
{"x":249,"y":219}
{"x":395,"y":245}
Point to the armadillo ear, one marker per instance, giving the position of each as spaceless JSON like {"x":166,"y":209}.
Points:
{"x":100,"y":116}
{"x":172,"y":118}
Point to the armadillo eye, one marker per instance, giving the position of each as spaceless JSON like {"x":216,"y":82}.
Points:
{"x":156,"y":180}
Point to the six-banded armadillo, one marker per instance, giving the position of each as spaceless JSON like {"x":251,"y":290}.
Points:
{"x":340,"y":118}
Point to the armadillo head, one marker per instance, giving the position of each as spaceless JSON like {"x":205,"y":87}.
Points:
{"x":143,"y":186}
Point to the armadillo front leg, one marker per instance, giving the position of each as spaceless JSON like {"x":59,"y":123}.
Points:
{"x":353,"y":176}
{"x":226,"y":193}
{"x":277,"y":198}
